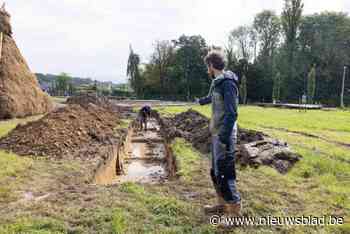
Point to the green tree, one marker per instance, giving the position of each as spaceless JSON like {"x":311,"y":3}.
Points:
{"x":231,"y":59}
{"x":162,"y":58}
{"x":276,"y":87}
{"x":133,"y":72}
{"x":324,"y":41}
{"x":243,"y":90}
{"x":189,"y":69}
{"x":62,"y":83}
{"x":268,"y":27}
{"x":241,"y":37}
{"x":291,"y":19}
{"x":311,"y":84}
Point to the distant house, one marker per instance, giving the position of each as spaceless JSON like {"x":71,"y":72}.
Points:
{"x":45,"y":87}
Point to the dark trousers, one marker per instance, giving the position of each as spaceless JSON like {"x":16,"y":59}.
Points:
{"x":223,"y":171}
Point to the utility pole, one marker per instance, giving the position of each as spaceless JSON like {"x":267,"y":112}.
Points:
{"x":342,"y":88}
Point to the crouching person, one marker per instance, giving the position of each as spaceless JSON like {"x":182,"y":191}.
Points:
{"x":143,"y":116}
{"x":223,"y":95}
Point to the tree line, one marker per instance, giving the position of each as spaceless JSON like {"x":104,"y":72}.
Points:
{"x":66,"y":85}
{"x":278,"y":58}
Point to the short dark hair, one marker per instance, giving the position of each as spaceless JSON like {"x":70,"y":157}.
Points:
{"x":216,"y":59}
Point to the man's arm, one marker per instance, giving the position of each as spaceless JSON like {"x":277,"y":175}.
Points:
{"x":204,"y":101}
{"x":230,"y":116}
{"x":207,"y":100}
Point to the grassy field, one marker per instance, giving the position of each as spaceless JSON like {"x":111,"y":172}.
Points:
{"x":319,"y":185}
{"x":322,"y":178}
{"x":7,"y":125}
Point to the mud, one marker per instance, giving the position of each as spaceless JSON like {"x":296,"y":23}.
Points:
{"x":144,"y":158}
{"x":90,"y":98}
{"x":253,"y":148}
{"x":117,"y":107}
{"x":190,"y":125}
{"x":72,"y":131}
{"x":269,"y":152}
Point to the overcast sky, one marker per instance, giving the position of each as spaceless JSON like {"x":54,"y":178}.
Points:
{"x":91,"y":38}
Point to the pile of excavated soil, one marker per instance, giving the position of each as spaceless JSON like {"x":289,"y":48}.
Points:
{"x":253,"y":148}
{"x":123,"y":111}
{"x":85,"y":99}
{"x":20,"y":94}
{"x":65,"y":132}
{"x":268,"y":152}
{"x":192,"y":126}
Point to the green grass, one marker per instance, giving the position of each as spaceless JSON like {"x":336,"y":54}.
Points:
{"x":7,"y":126}
{"x":321,"y":180}
{"x":187,"y":158}
{"x":12,"y":165}
{"x":334,"y":125}
{"x":317,"y":185}
{"x":119,"y":222}
{"x":59,"y":99}
{"x":124,"y":124}
{"x":147,"y":211}
{"x":37,"y":226}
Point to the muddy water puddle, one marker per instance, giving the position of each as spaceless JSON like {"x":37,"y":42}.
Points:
{"x":143,"y":159}
{"x":147,"y":157}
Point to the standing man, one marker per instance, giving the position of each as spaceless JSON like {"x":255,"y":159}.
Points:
{"x":223,"y":95}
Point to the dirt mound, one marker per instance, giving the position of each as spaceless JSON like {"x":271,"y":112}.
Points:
{"x":125,"y":112}
{"x":64,"y":132}
{"x":192,"y":126}
{"x":268,"y":152}
{"x":253,"y":148}
{"x":245,"y":136}
{"x":85,"y":99}
{"x":20,"y":94}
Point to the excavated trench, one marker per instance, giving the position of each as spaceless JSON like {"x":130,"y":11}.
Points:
{"x":143,"y":157}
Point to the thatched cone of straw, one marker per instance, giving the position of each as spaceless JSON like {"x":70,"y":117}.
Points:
{"x":20,"y":93}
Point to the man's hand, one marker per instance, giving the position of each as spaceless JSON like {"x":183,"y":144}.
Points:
{"x":224,"y":140}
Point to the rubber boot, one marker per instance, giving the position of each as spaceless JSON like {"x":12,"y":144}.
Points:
{"x":215,"y":209}
{"x":233,"y":210}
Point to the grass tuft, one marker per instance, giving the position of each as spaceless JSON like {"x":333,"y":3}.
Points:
{"x":35,"y":225}
{"x":119,"y":222}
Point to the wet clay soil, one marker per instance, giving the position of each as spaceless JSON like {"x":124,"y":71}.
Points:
{"x":144,"y":160}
